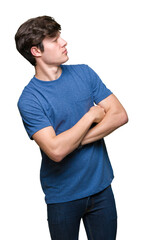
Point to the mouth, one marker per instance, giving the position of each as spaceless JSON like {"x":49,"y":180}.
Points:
{"x":65,"y":52}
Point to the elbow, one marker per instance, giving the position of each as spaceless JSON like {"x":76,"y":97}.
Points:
{"x":56,"y":152}
{"x":120,"y":118}
{"x":123,"y":118}
{"x":60,"y":152}
{"x":57,"y":156}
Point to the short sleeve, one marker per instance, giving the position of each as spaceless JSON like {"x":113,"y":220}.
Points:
{"x":99,"y":89}
{"x":33,"y":116}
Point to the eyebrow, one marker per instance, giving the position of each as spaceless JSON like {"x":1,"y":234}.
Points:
{"x":52,"y":38}
{"x":58,"y":34}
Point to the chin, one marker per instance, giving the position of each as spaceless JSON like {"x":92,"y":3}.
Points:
{"x":65,"y":60}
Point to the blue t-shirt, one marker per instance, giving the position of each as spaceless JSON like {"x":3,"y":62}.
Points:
{"x":61,"y":103}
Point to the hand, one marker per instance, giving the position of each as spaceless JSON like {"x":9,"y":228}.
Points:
{"x":97,"y":113}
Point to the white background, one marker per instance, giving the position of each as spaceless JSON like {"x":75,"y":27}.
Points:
{"x":106,"y":35}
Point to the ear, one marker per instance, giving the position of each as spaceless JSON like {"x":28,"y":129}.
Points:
{"x":35,"y":51}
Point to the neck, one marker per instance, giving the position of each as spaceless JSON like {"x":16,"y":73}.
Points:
{"x":48,"y":73}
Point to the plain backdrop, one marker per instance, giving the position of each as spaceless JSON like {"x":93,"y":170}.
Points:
{"x":106,"y":35}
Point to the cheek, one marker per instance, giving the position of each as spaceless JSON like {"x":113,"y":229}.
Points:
{"x":50,"y":53}
{"x":55,"y":51}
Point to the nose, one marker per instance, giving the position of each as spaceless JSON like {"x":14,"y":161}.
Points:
{"x":63,"y":42}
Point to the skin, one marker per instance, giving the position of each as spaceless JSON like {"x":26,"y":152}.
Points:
{"x":48,"y":62}
{"x":109,"y":114}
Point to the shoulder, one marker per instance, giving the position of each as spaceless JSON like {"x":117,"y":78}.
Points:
{"x":80,"y":67}
{"x":27,"y":96}
{"x":76,"y":68}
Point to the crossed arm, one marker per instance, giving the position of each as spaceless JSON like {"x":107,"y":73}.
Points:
{"x":109,"y":115}
{"x":115,"y":117}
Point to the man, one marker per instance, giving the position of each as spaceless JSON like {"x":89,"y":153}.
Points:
{"x":68,"y":111}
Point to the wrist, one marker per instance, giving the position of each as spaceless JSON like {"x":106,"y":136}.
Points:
{"x":90,"y":117}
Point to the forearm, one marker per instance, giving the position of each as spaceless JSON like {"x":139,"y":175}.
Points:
{"x":110,"y":122}
{"x":68,"y":141}
{"x":59,"y":146}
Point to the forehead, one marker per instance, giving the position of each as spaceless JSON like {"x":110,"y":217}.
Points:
{"x":57,"y":34}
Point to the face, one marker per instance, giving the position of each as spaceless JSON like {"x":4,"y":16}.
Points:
{"x":55,"y":52}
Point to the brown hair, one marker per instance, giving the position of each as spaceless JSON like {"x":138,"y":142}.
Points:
{"x":32,"y":32}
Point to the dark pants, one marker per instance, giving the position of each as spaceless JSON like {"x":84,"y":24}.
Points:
{"x":98,"y":213}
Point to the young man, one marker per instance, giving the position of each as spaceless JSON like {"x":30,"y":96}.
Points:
{"x":59,"y":112}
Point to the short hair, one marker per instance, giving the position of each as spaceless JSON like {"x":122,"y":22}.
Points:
{"x":32,"y":32}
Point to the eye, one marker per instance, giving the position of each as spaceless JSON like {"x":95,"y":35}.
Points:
{"x":56,"y":38}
